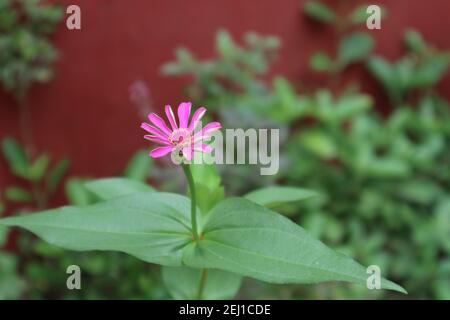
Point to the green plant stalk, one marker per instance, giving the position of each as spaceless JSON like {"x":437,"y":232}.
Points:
{"x":201,"y":286}
{"x":190,"y":179}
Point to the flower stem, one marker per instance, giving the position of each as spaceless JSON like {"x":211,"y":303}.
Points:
{"x":190,"y":179}
{"x":202,"y":284}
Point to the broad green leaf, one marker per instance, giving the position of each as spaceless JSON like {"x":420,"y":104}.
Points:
{"x":276,"y":195}
{"x":56,"y":173}
{"x":183,"y":283}
{"x":110,"y":188}
{"x":17,"y":194}
{"x":153,"y":227}
{"x":15,"y":155}
{"x":139,"y":166}
{"x":76,"y":192}
{"x":354,"y":47}
{"x":37,"y":169}
{"x":245,"y":238}
{"x":319,"y":11}
{"x":238,"y":236}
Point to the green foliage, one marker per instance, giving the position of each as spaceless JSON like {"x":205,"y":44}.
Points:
{"x":237,"y":236}
{"x":383,"y":181}
{"x":43,"y":265}
{"x":56,"y":174}
{"x":319,"y":11}
{"x":183,"y":283}
{"x":41,"y":177}
{"x":235,"y":68}
{"x":77,"y":193}
{"x":11,"y":285}
{"x":149,"y":226}
{"x":16,"y":157}
{"x":139,"y":166}
{"x":17,"y":194}
{"x":110,"y":188}
{"x":277,"y":195}
{"x":422,"y":68}
{"x":26,"y":54}
{"x":354,"y":48}
{"x":208,"y":185}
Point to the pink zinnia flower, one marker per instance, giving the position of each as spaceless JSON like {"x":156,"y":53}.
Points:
{"x":182,"y":137}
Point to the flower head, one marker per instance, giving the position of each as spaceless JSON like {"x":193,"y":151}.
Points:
{"x":182,"y":137}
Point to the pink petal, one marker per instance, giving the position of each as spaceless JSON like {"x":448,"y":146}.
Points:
{"x":171,"y":117}
{"x":196,"y":118}
{"x":158,"y":140}
{"x":203,"y":147}
{"x":154,"y":131}
{"x":159,"y":123}
{"x":207,"y":130}
{"x":184,"y":111}
{"x":160,"y":152}
{"x":187,"y":153}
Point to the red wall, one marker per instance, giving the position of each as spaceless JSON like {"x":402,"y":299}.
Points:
{"x":86,"y":112}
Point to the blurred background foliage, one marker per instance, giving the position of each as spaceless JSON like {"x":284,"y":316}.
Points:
{"x":383,"y":179}
{"x":26,"y":54}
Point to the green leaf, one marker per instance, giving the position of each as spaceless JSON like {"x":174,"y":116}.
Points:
{"x":56,"y":173}
{"x":245,"y":238}
{"x":139,"y":166}
{"x":77,"y":193}
{"x":352,"y":105}
{"x":110,"y":188}
{"x":276,"y":195}
{"x":153,"y":227}
{"x":321,"y":62}
{"x":11,"y":286}
{"x":37,"y":170}
{"x":16,"y":156}
{"x":225,"y":44}
{"x":3,"y":235}
{"x":206,"y":175}
{"x":17,"y":194}
{"x":320,"y":143}
{"x":359,"y":14}
{"x":183,"y":283}
{"x":238,"y":236}
{"x":384,"y":72}
{"x":414,"y":41}
{"x":319,"y":11}
{"x":208,"y":186}
{"x":354,"y":47}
